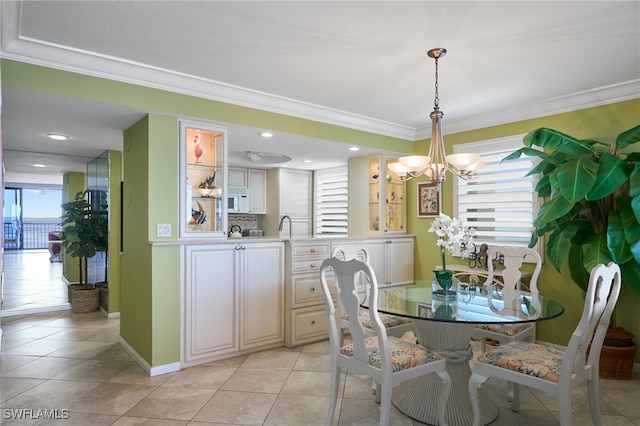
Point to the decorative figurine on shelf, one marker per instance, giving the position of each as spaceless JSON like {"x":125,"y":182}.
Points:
{"x":199,"y":216}
{"x":479,"y":259}
{"x":197,"y":151}
{"x":209,"y":183}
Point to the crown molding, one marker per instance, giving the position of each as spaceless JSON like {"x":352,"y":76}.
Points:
{"x":576,"y":101}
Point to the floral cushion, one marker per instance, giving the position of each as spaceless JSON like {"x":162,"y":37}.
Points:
{"x":506,"y":329}
{"x":404,"y":355}
{"x":387,"y":320}
{"x":532,"y":359}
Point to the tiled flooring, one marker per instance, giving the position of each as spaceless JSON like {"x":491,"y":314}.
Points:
{"x":32,"y":282}
{"x":66,"y":361}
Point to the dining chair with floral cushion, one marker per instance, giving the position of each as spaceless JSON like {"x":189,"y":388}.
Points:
{"x":394,"y":325}
{"x":389,"y":360}
{"x":549,"y":369}
{"x":513,"y":259}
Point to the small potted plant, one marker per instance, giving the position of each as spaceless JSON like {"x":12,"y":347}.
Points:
{"x":84,"y":233}
{"x":450,"y":232}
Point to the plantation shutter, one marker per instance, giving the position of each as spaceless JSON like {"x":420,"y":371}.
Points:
{"x":500,"y":201}
{"x":331,"y":201}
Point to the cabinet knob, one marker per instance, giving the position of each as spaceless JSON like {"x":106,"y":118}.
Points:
{"x":238,"y":247}
{"x":313,"y":323}
{"x":313,"y":265}
{"x":313,"y":250}
{"x":242,"y":247}
{"x":313,"y":289}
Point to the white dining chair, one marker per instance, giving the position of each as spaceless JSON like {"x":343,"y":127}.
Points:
{"x":389,"y":360}
{"x":394,"y":325}
{"x":552,"y":370}
{"x":511,"y":277}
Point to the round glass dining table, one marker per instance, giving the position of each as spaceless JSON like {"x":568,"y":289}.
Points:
{"x":445,"y":325}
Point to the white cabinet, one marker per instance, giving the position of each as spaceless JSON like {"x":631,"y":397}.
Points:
{"x":257,"y":191}
{"x":237,"y":178}
{"x":377,"y":198}
{"x":391,"y":259}
{"x":233,"y":300}
{"x":202,"y":180}
{"x":305,"y":318}
{"x":290,"y":193}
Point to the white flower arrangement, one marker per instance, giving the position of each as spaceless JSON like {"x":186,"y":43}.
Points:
{"x":452,"y":232}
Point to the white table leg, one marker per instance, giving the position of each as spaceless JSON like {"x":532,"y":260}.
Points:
{"x":418,"y":398}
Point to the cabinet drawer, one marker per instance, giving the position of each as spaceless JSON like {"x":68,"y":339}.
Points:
{"x":309,"y":324}
{"x":307,"y":265}
{"x":307,"y":289}
{"x":323,"y":250}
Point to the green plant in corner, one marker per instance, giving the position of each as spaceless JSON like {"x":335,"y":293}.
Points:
{"x":84,"y":230}
{"x":592,"y":207}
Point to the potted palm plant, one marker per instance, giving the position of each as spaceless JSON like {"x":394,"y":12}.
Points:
{"x":592,"y":210}
{"x":84,"y":233}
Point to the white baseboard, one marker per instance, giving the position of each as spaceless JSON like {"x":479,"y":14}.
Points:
{"x":151,"y":371}
{"x":109,"y":315}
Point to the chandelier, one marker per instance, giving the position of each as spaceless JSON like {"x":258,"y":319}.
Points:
{"x":436,"y":164}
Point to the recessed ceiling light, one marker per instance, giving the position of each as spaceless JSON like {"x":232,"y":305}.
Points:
{"x":306,"y":161}
{"x":266,"y":134}
{"x":284,"y":165}
{"x":354,"y":148}
{"x":57,"y":137}
{"x":38,"y":165}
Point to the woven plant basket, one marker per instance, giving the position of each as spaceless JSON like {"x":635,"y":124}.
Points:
{"x":616,"y":362}
{"x":85,"y":299}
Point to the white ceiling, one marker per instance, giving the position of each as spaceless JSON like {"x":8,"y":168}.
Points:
{"x":359,"y":64}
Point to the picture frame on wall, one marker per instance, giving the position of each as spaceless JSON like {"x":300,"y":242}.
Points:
{"x":428,"y":199}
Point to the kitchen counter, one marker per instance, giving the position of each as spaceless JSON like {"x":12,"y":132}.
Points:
{"x":266,"y":239}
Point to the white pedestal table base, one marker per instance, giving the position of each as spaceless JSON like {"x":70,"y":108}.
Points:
{"x":418,"y":398}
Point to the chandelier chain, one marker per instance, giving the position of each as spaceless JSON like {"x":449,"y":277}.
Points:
{"x":436,"y":100}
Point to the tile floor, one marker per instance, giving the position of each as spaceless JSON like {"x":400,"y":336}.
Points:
{"x":66,"y":361}
{"x":32,"y":282}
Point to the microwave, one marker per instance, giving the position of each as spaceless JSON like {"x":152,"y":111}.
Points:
{"x":238,"y":201}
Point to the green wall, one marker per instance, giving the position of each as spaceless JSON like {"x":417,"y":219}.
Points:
{"x":600,"y":123}
{"x":72,"y":183}
{"x":115,"y":175}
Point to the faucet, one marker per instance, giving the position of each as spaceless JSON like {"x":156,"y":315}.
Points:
{"x":280,"y":225}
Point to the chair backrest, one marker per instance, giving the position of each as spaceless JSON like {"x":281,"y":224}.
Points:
{"x":513,"y":258}
{"x":348,"y":296}
{"x":600,"y":299}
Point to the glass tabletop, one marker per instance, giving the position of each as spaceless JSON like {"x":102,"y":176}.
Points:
{"x":470,"y":304}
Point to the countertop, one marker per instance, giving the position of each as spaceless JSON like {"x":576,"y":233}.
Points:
{"x":267,"y":239}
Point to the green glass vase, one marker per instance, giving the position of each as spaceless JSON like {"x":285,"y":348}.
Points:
{"x":443,"y":286}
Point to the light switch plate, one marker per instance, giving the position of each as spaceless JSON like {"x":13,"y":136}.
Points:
{"x":163,"y":230}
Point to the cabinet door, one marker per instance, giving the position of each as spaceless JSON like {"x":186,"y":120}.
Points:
{"x":202,"y":163}
{"x":295,"y":193}
{"x":210,"y":301}
{"x":257,"y":191}
{"x":262,"y":294}
{"x":237,"y":178}
{"x":400,"y":261}
{"x":377,"y":259}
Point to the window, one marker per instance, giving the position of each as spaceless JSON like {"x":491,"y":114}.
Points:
{"x":500,"y":201}
{"x":331,"y":201}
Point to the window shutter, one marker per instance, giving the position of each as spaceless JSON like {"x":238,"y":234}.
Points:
{"x":331,"y":201}
{"x":500,"y":201}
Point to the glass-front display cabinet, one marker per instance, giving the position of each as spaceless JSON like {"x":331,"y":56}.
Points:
{"x":377,"y":199}
{"x":202,"y":177}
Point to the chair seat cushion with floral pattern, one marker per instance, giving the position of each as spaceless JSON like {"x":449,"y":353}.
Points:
{"x":532,"y":359}
{"x":387,"y":320}
{"x":404,"y":354}
{"x":506,"y":329}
